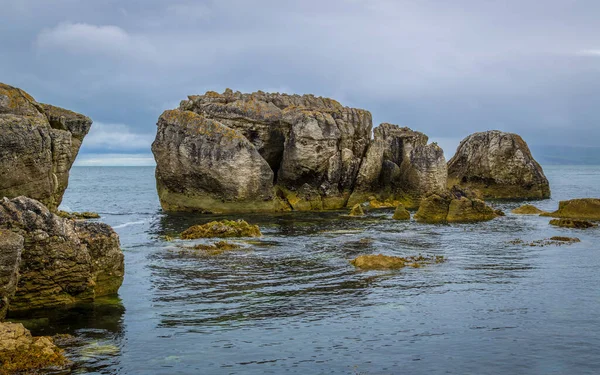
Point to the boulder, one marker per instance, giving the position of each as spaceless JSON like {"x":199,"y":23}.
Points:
{"x":401,"y":213}
{"x":222,"y":229}
{"x":21,"y":353}
{"x":527,"y":209}
{"x":38,"y":145}
{"x":261,"y":152}
{"x":63,"y":261}
{"x":585,"y":208}
{"x":11,"y":246}
{"x":498,"y":164}
{"x":454,"y":206}
{"x":357,"y":210}
{"x":571,"y":223}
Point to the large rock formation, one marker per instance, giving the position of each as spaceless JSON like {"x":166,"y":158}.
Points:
{"x":583,"y":208}
{"x":454,"y":206}
{"x":236,"y":152}
{"x":498,"y":164}
{"x":38,"y":145}
{"x":62,"y":261}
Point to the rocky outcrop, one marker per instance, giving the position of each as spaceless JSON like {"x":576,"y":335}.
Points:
{"x":222,"y":229}
{"x":11,"y":245}
{"x":38,"y":145}
{"x":21,"y":353}
{"x":235,"y":152}
{"x":401,"y":213}
{"x":499,"y":165}
{"x":454,"y":207}
{"x":527,"y":209}
{"x":63,"y":261}
{"x":584,"y":208}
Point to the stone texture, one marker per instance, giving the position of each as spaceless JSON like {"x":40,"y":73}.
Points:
{"x":286,"y":152}
{"x":454,"y":206}
{"x":11,"y":246}
{"x":38,"y":145}
{"x":498,"y":164}
{"x":584,"y":208}
{"x":63,"y":262}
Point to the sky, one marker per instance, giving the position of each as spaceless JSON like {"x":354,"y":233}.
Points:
{"x":446,"y":68}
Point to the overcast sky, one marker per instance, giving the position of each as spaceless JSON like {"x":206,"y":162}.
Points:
{"x":447,"y":68}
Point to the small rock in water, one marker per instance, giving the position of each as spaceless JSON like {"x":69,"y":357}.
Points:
{"x":386,"y":262}
{"x":78,"y":215}
{"x":357,"y":210}
{"x":225,"y":228}
{"x":569,"y":223}
{"x":583,"y":209}
{"x":527,"y":209}
{"x":401,"y":213}
{"x":217,"y":248}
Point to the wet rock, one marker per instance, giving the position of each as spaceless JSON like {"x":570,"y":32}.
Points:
{"x":357,"y":210}
{"x":217,"y":248}
{"x":453,"y":207}
{"x":11,"y":246}
{"x":585,"y":208}
{"x":572,"y":223}
{"x":565,"y":239}
{"x":527,"y":209}
{"x":401,"y":213}
{"x":38,"y":145}
{"x":63,"y":262}
{"x":386,"y":262}
{"x":20,"y":353}
{"x":554,"y":241}
{"x":78,"y":215}
{"x":498,"y":164}
{"x":223,"y":229}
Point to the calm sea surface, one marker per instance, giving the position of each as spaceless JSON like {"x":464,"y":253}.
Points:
{"x":291,"y":302}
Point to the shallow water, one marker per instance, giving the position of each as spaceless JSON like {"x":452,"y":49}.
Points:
{"x":291,"y":303}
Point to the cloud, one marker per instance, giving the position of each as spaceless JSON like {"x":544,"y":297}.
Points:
{"x":83,"y":38}
{"x":109,"y":160}
{"x":589,"y":52}
{"x":113,"y":137}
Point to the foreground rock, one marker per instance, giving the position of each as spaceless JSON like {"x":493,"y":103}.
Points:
{"x":454,"y":207}
{"x":498,"y":164}
{"x":258,"y":152}
{"x":401,"y":213}
{"x":527,"y":209}
{"x":63,"y":261}
{"x":585,"y":208}
{"x":223,"y":229}
{"x":11,"y":245}
{"x":38,"y":145}
{"x":20,"y":353}
{"x":571,"y":223}
{"x":386,"y":262}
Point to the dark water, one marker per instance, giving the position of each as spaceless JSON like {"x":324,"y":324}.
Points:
{"x":291,"y":302}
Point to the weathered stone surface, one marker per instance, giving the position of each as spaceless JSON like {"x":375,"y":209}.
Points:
{"x":498,"y":164}
{"x":38,"y":145}
{"x":527,"y":209}
{"x":20,"y":353}
{"x":454,"y":206}
{"x":286,"y":152}
{"x":401,"y":213}
{"x":11,"y":246}
{"x":584,"y":208}
{"x":63,"y":261}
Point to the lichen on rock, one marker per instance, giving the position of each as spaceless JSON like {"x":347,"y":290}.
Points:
{"x":223,"y":229}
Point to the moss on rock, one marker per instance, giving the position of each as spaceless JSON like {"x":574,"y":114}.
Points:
{"x":387,"y":262}
{"x":78,"y":215}
{"x":357,"y":210}
{"x":527,"y":209}
{"x":217,"y":247}
{"x":401,"y":213}
{"x":223,"y":229}
{"x":570,"y":223}
{"x":585,"y":208}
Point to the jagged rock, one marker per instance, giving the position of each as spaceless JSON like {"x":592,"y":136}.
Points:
{"x":223,"y":229}
{"x":63,"y":261}
{"x":20,"y":353}
{"x":527,"y":209}
{"x":498,"y":164}
{"x":11,"y":246}
{"x":38,"y":145}
{"x":453,"y":206}
{"x":571,"y":223}
{"x":584,"y":208}
{"x":401,"y":213}
{"x":286,"y":152}
{"x":357,"y":210}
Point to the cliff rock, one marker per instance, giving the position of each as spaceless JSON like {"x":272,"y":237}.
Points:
{"x":11,"y":245}
{"x":38,"y":146}
{"x":498,"y":164}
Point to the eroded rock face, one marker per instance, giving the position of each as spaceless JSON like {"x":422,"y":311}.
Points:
{"x":499,"y":165}
{"x":285,"y":152}
{"x":62,"y":261}
{"x":11,"y":246}
{"x":38,"y":145}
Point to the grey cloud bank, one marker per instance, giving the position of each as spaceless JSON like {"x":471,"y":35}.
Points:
{"x":445,"y":68}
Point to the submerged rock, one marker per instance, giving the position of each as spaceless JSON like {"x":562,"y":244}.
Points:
{"x":527,"y":209}
{"x":585,"y":208}
{"x":20,"y":353}
{"x":217,"y":248}
{"x":38,"y":145}
{"x":357,"y":210}
{"x":454,"y":206}
{"x":78,"y":215}
{"x":11,"y":246}
{"x":498,"y":164}
{"x":259,"y":152}
{"x":223,"y":229}
{"x":571,"y":223}
{"x":63,"y":262}
{"x":386,"y":262}
{"x":401,"y":213}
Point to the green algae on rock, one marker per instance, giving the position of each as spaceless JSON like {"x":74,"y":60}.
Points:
{"x":572,"y":223}
{"x":584,"y":208}
{"x":401,"y":213}
{"x":527,"y":209}
{"x":217,"y":248}
{"x":223,"y":229}
{"x":454,"y":206}
{"x":387,"y":262}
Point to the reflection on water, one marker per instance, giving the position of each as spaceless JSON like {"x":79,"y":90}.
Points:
{"x":290,"y":302}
